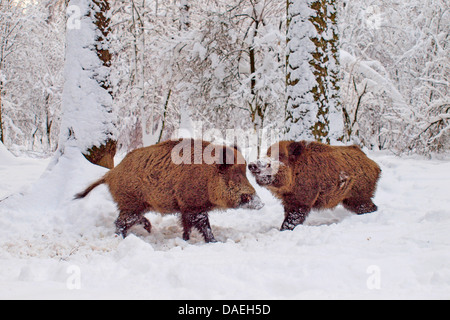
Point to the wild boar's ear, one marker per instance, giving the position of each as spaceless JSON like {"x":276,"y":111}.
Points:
{"x":295,"y":149}
{"x":225,"y":158}
{"x":236,"y":147}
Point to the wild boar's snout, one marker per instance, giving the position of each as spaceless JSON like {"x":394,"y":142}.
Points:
{"x":261,"y":165}
{"x":253,"y":168}
{"x":245,"y":198}
{"x":251,"y":201}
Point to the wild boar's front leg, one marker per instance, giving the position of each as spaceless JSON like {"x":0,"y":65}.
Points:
{"x":294,"y":217}
{"x":200,"y":221}
{"x":296,"y":210}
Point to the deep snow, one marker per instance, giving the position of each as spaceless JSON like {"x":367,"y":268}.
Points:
{"x":53,"y":247}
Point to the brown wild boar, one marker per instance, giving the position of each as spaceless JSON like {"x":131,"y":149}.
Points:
{"x":311,"y":175}
{"x":191,"y":177}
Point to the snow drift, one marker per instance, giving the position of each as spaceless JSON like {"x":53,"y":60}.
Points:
{"x":48,"y":241}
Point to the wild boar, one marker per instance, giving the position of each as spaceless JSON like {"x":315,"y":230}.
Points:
{"x":191,"y":177}
{"x":311,"y":175}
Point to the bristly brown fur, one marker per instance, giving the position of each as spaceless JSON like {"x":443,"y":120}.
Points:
{"x":319,"y":176}
{"x":148,"y":180}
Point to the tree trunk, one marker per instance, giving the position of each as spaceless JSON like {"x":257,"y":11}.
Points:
{"x":1,"y":120}
{"x":138,"y":31}
{"x":103,"y":155}
{"x":89,"y":119}
{"x":313,"y":109}
{"x":185,"y":22}
{"x":256,"y":105}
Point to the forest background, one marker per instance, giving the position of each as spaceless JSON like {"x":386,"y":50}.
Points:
{"x":224,"y":63}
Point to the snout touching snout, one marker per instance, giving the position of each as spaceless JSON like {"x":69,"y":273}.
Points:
{"x":259,"y":166}
{"x":264,"y":170}
{"x":253,"y":167}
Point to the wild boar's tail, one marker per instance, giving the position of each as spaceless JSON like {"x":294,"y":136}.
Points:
{"x":89,"y":189}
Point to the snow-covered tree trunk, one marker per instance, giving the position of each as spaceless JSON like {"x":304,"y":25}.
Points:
{"x":1,"y":120}
{"x":10,"y":25}
{"x":256,"y":105}
{"x":185,"y":21}
{"x":137,"y":29}
{"x":313,"y":108}
{"x":88,"y":115}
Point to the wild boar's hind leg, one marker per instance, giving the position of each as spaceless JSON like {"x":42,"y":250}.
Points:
{"x":147,"y":225}
{"x":200,"y":221}
{"x":360,"y":206}
{"x":126,"y":220}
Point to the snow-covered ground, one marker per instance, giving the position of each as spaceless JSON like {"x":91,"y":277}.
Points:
{"x":53,"y":247}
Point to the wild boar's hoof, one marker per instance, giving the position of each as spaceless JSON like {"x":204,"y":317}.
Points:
{"x":122,"y":231}
{"x":210,"y":240}
{"x":146,"y":224}
{"x":126,"y":221}
{"x":121,"y":227}
{"x":200,"y":222}
{"x":209,"y":237}
{"x":360,"y":207}
{"x":292,"y":220}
